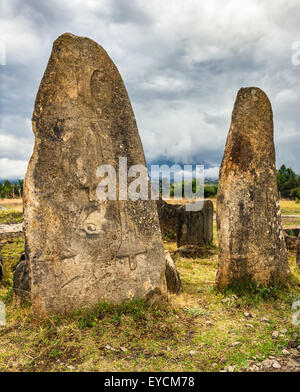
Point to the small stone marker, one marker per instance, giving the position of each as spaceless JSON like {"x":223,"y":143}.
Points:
{"x":80,"y":250}
{"x":251,"y":240}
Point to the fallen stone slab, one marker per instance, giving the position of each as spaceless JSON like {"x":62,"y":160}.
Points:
{"x":12,"y":228}
{"x":10,"y":231}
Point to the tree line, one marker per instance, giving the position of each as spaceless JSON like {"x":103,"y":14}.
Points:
{"x":10,"y":190}
{"x":288,"y":183}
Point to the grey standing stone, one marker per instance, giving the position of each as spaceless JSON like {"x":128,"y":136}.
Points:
{"x":195,"y":227}
{"x":80,"y":250}
{"x":251,"y":240}
{"x":168,"y":218}
{"x":187,"y":227}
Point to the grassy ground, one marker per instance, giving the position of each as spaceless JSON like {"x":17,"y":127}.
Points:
{"x":289,"y":207}
{"x":198,"y":330}
{"x":14,"y":212}
{"x":12,"y":204}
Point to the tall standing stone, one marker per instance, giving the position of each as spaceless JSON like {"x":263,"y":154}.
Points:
{"x":251,"y":240}
{"x":81,"y":250}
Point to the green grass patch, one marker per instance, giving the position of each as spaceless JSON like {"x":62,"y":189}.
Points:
{"x":10,"y":216}
{"x":11,"y":252}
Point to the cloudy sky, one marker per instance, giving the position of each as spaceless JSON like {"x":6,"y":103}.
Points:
{"x":182,"y":62}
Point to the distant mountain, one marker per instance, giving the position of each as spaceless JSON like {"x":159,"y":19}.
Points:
{"x":164,"y":161}
{"x":12,"y":181}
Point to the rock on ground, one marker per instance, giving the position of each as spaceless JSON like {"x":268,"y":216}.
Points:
{"x":172,"y":275}
{"x":21,"y":280}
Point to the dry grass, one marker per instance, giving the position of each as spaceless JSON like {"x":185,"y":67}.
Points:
{"x":14,"y":204}
{"x":185,"y":201}
{"x":14,"y":212}
{"x":289,"y":207}
{"x":194,"y":331}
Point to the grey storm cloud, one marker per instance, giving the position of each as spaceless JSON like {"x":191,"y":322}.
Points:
{"x":182,"y":64}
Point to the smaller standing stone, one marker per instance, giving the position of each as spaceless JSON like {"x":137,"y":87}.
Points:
{"x":168,"y":217}
{"x":189,"y":227}
{"x":195,"y":227}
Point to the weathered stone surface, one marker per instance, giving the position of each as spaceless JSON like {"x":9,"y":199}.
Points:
{"x":81,"y":250}
{"x":21,"y":281}
{"x":251,"y":240}
{"x":172,"y":276}
{"x":195,"y":227}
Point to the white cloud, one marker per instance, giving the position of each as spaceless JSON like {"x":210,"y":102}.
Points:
{"x":13,"y":146}
{"x":12,"y":169}
{"x":286,"y":96}
{"x":212,"y":172}
{"x":182,"y":62}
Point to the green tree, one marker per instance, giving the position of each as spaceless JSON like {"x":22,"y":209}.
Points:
{"x":287,"y":181}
